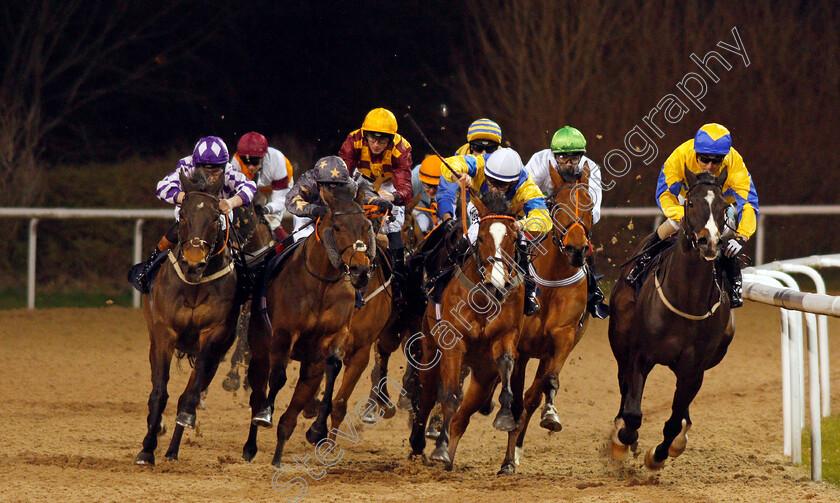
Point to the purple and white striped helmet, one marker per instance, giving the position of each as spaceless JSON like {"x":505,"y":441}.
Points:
{"x":210,"y":150}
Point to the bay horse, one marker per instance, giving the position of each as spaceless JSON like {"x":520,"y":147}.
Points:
{"x":310,"y":304}
{"x":481,"y":337}
{"x":192,"y":308}
{"x":679,"y":318}
{"x":551,"y":334}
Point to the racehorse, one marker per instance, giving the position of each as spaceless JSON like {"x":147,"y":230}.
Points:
{"x":679,"y":318}
{"x":192,"y":308}
{"x":310,"y":304}
{"x":551,"y":334}
{"x":484,"y":337}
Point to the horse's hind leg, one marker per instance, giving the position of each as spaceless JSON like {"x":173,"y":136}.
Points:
{"x":318,"y":430}
{"x":257,"y":375}
{"x":564,"y":343}
{"x":160,"y":357}
{"x":531,"y":400}
{"x":676,"y":427}
{"x":423,"y":400}
{"x":307,"y":385}
{"x":450,"y":401}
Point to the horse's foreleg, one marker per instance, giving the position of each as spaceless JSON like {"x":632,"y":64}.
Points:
{"x":423,"y":400}
{"x":240,"y":352}
{"x":503,"y":353}
{"x":318,"y":430}
{"x":481,"y":385}
{"x":356,"y":364}
{"x":307,"y":385}
{"x":627,"y":426}
{"x":160,"y":358}
{"x":450,"y":400}
{"x":676,"y":427}
{"x":564,"y":342}
{"x":258,"y":369}
{"x":532,"y":400}
{"x":518,"y":385}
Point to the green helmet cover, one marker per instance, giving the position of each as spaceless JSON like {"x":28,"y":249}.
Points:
{"x":568,"y":139}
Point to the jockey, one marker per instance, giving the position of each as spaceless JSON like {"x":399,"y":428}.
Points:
{"x":305,"y":200}
{"x":211,"y":154}
{"x":483,"y":137}
{"x":710,"y":151}
{"x":566,"y":156}
{"x":502,"y":172}
{"x":425,"y":179}
{"x":269,"y":169}
{"x":380,"y":161}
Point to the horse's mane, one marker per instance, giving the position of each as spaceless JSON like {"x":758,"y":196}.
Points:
{"x":706,"y":177}
{"x":495,"y":202}
{"x":344,"y":194}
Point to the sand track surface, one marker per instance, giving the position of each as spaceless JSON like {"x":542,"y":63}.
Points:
{"x":74,"y":385}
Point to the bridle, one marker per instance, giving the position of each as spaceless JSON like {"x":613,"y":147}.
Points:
{"x":688,"y":228}
{"x":489,"y":261}
{"x":202,"y":244}
{"x":560,"y":233}
{"x":335,"y":254}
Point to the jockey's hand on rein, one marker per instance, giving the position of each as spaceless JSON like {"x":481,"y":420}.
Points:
{"x":319,"y":211}
{"x":734,"y":247}
{"x":384,"y":205}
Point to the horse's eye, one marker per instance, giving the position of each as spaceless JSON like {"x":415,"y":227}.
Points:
{"x":336,"y":228}
{"x":691,"y":204}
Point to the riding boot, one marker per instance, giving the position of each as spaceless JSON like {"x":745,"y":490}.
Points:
{"x":732,"y":271}
{"x":595,"y":297}
{"x":400,"y":275}
{"x":643,"y":260}
{"x":138,"y":275}
{"x":532,"y":305}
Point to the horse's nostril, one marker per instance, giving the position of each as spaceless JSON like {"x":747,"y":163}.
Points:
{"x":702,"y":241}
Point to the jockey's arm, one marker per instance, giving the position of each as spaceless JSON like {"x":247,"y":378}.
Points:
{"x":537,"y":220}
{"x":466,"y":167}
{"x":739,"y":185}
{"x":668,"y":189}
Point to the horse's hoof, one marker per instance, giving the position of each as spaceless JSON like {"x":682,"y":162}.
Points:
{"x":248,"y":453}
{"x":550,"y":421}
{"x":371,"y":415}
{"x":277,"y":462}
{"x":650,"y":462}
{"x":618,"y":451}
{"x":678,"y":445}
{"x":316,"y":433}
{"x":504,"y":421}
{"x":487,"y":408}
{"x":145,"y":459}
{"x":185,"y":419}
{"x":507,"y":469}
{"x":162,"y":430}
{"x":389,"y":411}
{"x":441,"y":455}
{"x":517,"y":455}
{"x":172,"y":456}
{"x":404,"y":402}
{"x":231,"y":382}
{"x":262,"y":419}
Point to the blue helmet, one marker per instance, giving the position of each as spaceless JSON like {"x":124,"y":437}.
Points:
{"x":712,"y":139}
{"x":210,"y":150}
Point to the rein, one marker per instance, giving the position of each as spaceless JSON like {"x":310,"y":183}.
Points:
{"x":682,"y":314}
{"x":560,"y":241}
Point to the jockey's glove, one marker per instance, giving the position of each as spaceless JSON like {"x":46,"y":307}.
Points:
{"x":319,"y":211}
{"x":734,"y":247}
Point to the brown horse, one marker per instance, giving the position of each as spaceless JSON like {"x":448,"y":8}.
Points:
{"x":551,"y":334}
{"x":679,"y":318}
{"x":192,"y":308}
{"x":310,"y":305}
{"x":483,"y":334}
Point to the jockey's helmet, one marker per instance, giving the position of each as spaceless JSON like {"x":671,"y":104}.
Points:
{"x":252,"y":145}
{"x":380,"y":123}
{"x":484,"y":129}
{"x":503,"y":165}
{"x":568,"y":140}
{"x":210,"y":150}
{"x":712,"y":139}
{"x":333,"y":170}
{"x":430,"y":170}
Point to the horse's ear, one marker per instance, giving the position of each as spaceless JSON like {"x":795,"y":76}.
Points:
{"x":215,"y":188}
{"x":516,"y":208}
{"x":360,"y":195}
{"x":690,"y":177}
{"x":721,"y":178}
{"x":556,"y":179}
{"x":413,"y":203}
{"x":482,"y":210}
{"x":187,"y":184}
{"x":585,"y":173}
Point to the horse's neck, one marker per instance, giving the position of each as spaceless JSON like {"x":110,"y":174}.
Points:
{"x":553,"y":264}
{"x":684,"y":264}
{"x":316,"y":257}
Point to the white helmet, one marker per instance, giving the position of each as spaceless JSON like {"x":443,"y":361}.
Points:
{"x":503,"y":165}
